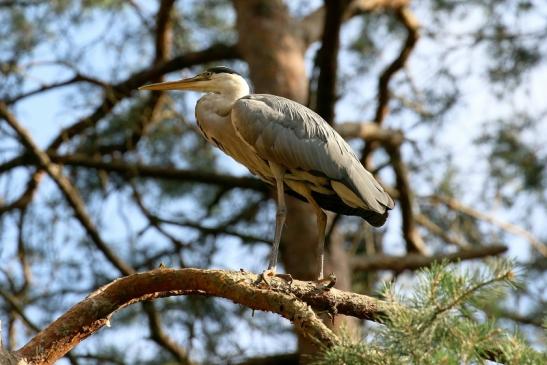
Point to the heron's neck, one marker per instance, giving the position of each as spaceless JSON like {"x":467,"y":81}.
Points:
{"x":222,"y":100}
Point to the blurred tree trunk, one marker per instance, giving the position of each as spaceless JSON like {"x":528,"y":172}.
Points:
{"x":275,"y":52}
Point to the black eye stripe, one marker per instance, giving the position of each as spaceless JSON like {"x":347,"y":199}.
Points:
{"x":221,"y":69}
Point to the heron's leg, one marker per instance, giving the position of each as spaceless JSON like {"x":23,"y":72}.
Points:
{"x":305,"y":191}
{"x":321,"y":226}
{"x":279,"y":173}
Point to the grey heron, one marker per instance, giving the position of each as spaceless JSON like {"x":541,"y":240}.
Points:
{"x":286,"y":145}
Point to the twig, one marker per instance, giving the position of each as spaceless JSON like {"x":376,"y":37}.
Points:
{"x":509,"y":227}
{"x":161,"y":338}
{"x":438,"y":231}
{"x":26,"y":197}
{"x":70,"y":193}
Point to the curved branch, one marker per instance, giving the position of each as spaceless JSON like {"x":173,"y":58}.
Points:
{"x":290,"y":300}
{"x":411,"y":24}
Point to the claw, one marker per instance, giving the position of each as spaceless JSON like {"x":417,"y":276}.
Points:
{"x":264,"y":277}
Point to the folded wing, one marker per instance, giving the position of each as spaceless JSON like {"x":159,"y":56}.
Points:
{"x":297,"y":138}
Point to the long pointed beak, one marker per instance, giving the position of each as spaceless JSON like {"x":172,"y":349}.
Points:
{"x":186,"y":84}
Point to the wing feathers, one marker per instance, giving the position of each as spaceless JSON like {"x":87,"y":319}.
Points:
{"x":293,"y":136}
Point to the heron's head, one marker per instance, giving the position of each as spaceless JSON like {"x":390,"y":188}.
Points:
{"x":218,"y":80}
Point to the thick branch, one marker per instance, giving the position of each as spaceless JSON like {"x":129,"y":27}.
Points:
{"x":291,"y":302}
{"x":328,"y":59}
{"x":416,"y":261}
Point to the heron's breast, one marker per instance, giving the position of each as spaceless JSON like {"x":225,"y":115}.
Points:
{"x":220,"y":132}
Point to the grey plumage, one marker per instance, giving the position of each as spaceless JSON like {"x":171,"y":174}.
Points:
{"x":288,"y":146}
{"x":281,"y":130}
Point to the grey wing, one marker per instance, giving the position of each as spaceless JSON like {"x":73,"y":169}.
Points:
{"x":288,"y":133}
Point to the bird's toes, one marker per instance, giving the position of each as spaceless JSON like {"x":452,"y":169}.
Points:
{"x":326,"y":283}
{"x":264,"y":277}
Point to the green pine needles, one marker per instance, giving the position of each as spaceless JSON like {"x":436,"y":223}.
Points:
{"x":440,"y":321}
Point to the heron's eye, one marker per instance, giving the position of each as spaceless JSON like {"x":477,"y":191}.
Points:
{"x":208,"y":74}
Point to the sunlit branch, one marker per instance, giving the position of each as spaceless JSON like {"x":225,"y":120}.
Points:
{"x":290,"y":301}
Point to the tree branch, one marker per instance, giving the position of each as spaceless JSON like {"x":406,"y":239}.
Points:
{"x":160,"y":337}
{"x":411,"y":235}
{"x":48,"y":87}
{"x":163,"y":172}
{"x":370,"y":132}
{"x":311,"y":26}
{"x":416,"y":261}
{"x":411,"y":24}
{"x":70,"y":193}
{"x":509,"y":227}
{"x":118,"y":92}
{"x":327,"y":62}
{"x":149,"y":171}
{"x":26,"y":197}
{"x":291,"y":301}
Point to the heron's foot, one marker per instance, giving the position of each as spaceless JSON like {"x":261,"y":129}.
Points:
{"x":287,"y":277}
{"x":265,"y":276}
{"x":326,"y":283}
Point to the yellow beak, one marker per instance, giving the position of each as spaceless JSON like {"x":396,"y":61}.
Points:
{"x":193,"y":83}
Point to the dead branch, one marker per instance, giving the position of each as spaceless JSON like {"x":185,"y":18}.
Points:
{"x":416,"y":261}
